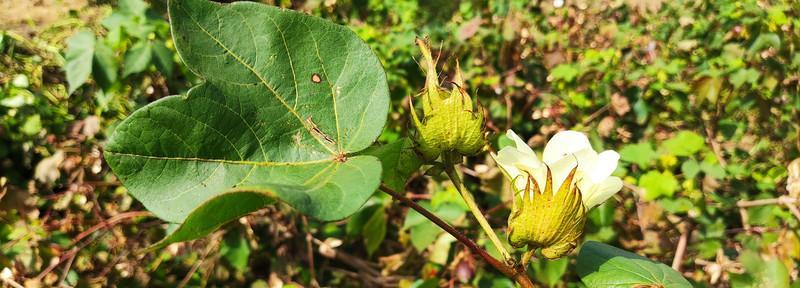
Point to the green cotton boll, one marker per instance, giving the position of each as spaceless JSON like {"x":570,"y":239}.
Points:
{"x":449,"y":122}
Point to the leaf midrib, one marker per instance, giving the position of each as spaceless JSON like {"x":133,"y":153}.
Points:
{"x":223,"y":161}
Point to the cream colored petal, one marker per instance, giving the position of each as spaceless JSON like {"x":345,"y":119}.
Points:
{"x":513,"y":162}
{"x":605,"y":165}
{"x":564,"y":143}
{"x":521,"y":145}
{"x":507,"y":159}
{"x":600,"y":192}
{"x":560,"y":170}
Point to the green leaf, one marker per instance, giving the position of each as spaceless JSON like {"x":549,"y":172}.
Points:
{"x":685,"y":143}
{"x":423,"y":235}
{"x":440,"y":251}
{"x":601,"y":265}
{"x":713,"y":170}
{"x":261,"y":126}
{"x":675,"y":206}
{"x":657,"y":184}
{"x":764,"y":41}
{"x":133,"y":7}
{"x":564,"y":72}
{"x":162,"y":57}
{"x":549,"y":272}
{"x":104,"y":69}
{"x":760,"y":272}
{"x":742,"y":76}
{"x":423,"y":232}
{"x":356,"y":222}
{"x":399,"y":161}
{"x":374,"y":231}
{"x":137,"y":59}
{"x":641,"y":110}
{"x":641,"y":154}
{"x":690,"y":168}
{"x":708,"y":89}
{"x":215,"y":212}
{"x":235,"y":251}
{"x":32,"y":125}
{"x":79,"y":55}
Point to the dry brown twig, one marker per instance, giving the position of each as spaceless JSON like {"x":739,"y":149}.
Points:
{"x":680,"y":251}
{"x":789,"y":202}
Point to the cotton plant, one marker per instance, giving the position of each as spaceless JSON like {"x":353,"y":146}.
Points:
{"x":554,"y":194}
{"x":318,"y":129}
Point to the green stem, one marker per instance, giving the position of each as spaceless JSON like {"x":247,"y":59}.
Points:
{"x":449,"y":168}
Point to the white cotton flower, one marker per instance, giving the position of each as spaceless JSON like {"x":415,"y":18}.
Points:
{"x":565,"y":151}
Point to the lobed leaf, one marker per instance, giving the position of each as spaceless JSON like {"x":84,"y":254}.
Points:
{"x":287,"y":99}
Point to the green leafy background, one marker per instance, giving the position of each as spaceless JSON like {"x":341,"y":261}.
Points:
{"x":699,"y":97}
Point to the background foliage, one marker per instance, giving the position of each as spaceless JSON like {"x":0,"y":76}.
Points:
{"x":700,"y":98}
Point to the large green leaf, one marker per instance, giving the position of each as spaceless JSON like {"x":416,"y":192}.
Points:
{"x":601,"y":265}
{"x":287,"y":100}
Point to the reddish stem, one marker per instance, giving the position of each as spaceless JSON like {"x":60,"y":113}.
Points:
{"x":516,"y":273}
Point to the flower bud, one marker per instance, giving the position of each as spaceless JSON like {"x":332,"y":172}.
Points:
{"x":449,"y":122}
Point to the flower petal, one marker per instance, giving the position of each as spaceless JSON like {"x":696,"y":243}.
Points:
{"x":564,"y":143}
{"x":605,"y":165}
{"x":560,"y":170}
{"x":521,"y":145}
{"x":507,"y":159}
{"x":600,"y":192}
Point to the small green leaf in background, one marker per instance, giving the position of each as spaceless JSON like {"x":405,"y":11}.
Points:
{"x":104,"y":66}
{"x":79,"y":55}
{"x":549,"y":272}
{"x":657,"y":184}
{"x":712,"y":169}
{"x":138,"y":58}
{"x":742,"y":76}
{"x":641,"y":110}
{"x":133,"y":7}
{"x":604,"y":266}
{"x":162,"y":57}
{"x":356,"y":222}
{"x":641,"y":153}
{"x":708,"y":89}
{"x":440,"y":251}
{"x":676,"y":206}
{"x":760,"y":272}
{"x":32,"y":125}
{"x":685,"y":143}
{"x":235,"y":250}
{"x":374,"y":230}
{"x":423,"y":232}
{"x":564,"y":72}
{"x":399,"y":161}
{"x":690,"y":168}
